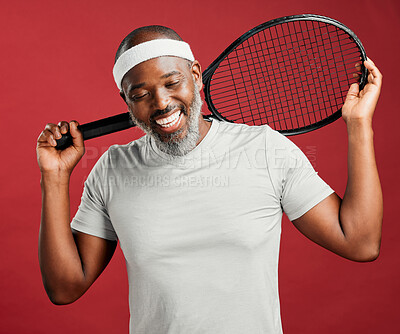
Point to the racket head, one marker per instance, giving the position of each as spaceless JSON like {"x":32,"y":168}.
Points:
{"x":292,"y":73}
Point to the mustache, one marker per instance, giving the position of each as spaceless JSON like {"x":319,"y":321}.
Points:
{"x":168,"y":109}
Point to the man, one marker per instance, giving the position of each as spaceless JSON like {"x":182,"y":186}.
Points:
{"x":202,"y":255}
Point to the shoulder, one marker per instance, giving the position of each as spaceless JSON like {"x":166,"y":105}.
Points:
{"x":120,"y":155}
{"x":249,"y":133}
{"x":133,"y":145}
{"x":280,"y":151}
{"x":134,"y":148}
{"x":242,"y":132}
{"x":241,"y":129}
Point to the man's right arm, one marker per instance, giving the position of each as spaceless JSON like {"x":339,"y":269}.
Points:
{"x":69,"y":262}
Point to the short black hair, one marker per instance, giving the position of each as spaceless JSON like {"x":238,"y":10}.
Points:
{"x":133,"y":37}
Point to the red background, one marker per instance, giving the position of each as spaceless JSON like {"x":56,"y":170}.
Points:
{"x":56,"y":63}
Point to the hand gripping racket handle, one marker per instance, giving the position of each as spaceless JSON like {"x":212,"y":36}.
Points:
{"x":98,"y":128}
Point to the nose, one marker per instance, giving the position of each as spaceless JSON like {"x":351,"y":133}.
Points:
{"x":161,"y":99}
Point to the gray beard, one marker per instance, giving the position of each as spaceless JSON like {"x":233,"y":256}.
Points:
{"x":172,"y":144}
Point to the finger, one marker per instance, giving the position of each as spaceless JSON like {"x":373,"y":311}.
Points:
{"x":43,"y":137}
{"x":358,"y":67}
{"x":54,"y":129}
{"x":353,"y":91}
{"x":376,"y":75}
{"x":76,"y":134}
{"x":370,"y":77}
{"x":64,"y":127}
{"x":47,"y":136}
{"x":370,"y":60}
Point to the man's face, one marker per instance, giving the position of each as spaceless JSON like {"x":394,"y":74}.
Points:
{"x":164,"y":100}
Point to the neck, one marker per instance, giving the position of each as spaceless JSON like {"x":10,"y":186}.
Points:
{"x":204,"y":127}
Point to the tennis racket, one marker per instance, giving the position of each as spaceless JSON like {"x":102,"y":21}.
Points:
{"x":292,"y":73}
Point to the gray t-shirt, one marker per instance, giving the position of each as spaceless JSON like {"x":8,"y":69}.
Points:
{"x":201,"y":233}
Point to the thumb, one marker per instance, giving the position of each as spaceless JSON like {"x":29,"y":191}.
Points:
{"x":76,"y":134}
{"x":353,"y":92}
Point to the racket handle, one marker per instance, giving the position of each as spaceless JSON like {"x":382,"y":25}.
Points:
{"x":98,"y":128}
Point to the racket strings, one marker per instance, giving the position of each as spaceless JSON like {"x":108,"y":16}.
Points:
{"x":288,"y":76}
{"x":248,"y":78}
{"x":247,"y":51}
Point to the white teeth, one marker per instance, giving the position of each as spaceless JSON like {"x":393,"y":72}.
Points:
{"x":169,"y":121}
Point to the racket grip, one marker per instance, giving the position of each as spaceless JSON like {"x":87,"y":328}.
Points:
{"x":98,"y":128}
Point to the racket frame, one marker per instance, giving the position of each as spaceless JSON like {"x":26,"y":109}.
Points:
{"x":208,"y":73}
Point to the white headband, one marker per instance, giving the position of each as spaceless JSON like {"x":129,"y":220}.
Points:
{"x":149,"y":50}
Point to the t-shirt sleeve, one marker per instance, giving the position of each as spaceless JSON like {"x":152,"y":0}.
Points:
{"x":92,"y":216}
{"x":296,"y":182}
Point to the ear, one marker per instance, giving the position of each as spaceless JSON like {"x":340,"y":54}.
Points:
{"x":198,"y":77}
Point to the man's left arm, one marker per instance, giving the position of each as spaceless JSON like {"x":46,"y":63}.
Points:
{"x":351,"y":227}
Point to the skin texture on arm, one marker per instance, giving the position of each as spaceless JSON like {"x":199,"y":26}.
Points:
{"x":69,"y":262}
{"x":352,"y":227}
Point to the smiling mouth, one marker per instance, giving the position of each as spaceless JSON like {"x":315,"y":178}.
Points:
{"x":170,"y":121}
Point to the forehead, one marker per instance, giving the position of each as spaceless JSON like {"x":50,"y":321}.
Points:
{"x":153,"y":70}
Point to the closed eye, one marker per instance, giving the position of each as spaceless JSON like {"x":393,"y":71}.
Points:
{"x":172,"y":83}
{"x":138,"y":97}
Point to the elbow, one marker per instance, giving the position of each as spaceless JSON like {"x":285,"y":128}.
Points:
{"x":367,"y":254}
{"x":372,"y":256}
{"x":65,"y":289}
{"x":62,"y":296}
{"x":365,"y":245}
{"x":58,"y":300}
